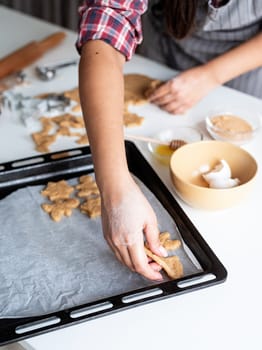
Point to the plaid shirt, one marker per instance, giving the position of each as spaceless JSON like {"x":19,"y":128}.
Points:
{"x":118,"y":23}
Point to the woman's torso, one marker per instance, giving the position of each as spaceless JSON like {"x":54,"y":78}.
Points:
{"x":217,"y":31}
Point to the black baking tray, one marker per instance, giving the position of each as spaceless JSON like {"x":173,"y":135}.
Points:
{"x":72,"y":163}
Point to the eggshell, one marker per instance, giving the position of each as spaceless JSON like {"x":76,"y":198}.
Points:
{"x":221,"y":171}
{"x":223,"y":183}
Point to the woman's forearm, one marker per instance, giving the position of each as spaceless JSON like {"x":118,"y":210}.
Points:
{"x":126,"y":215}
{"x":101,"y":93}
{"x":237,"y":61}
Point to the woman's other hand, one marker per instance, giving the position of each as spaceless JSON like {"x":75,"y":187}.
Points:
{"x":181,"y":93}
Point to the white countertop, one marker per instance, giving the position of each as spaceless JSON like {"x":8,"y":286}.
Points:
{"x":225,"y":316}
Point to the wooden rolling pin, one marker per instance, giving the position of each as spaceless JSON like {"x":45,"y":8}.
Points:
{"x":28,"y":54}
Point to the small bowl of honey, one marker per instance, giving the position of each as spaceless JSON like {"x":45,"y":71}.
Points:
{"x":173,"y":139}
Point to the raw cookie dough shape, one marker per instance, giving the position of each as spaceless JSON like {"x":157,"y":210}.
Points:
{"x":60,"y":208}
{"x":137,"y":89}
{"x":87,"y":186}
{"x":69,"y":120}
{"x":57,"y":190}
{"x":74,"y":96}
{"x":167,"y":243}
{"x":171,"y":264}
{"x":83,"y":140}
{"x":65,"y":122}
{"x":59,"y":126}
{"x":43,"y":139}
{"x":131,"y":119}
{"x":92,"y":207}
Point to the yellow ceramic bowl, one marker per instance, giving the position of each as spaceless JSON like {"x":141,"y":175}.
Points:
{"x":185,"y":170}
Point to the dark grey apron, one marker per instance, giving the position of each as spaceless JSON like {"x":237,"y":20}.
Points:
{"x":217,"y":32}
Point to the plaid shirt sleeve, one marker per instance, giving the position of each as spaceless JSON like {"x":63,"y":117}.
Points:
{"x":118,"y":23}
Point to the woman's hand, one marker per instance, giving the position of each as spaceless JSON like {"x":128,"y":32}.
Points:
{"x":185,"y":90}
{"x":126,"y":218}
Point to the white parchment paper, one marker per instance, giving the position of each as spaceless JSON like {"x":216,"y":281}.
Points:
{"x":47,"y":266}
